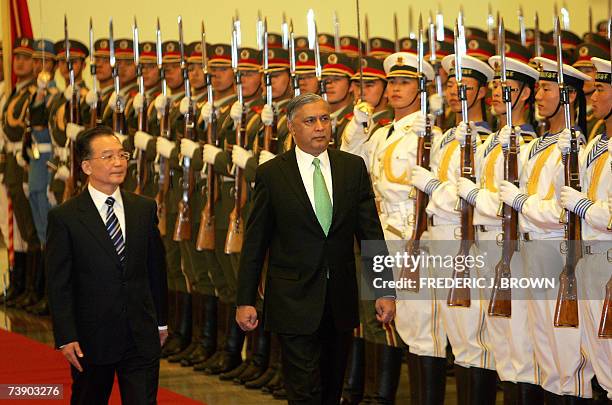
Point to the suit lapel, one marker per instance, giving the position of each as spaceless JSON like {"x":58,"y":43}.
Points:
{"x":131,"y":226}
{"x":337,"y":173}
{"x":90,"y":217}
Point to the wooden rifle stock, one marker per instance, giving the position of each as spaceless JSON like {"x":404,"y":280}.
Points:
{"x":206,"y":232}
{"x":235,"y":233}
{"x":142,"y":174}
{"x":182,"y":227}
{"x":605,"y":324}
{"x":566,"y":309}
{"x":164,"y":177}
{"x":96,"y":117}
{"x":459,"y":296}
{"x":74,"y":116}
{"x":271,"y":137}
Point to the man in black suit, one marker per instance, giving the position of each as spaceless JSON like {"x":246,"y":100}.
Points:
{"x":107,"y":280}
{"x":309,"y":205}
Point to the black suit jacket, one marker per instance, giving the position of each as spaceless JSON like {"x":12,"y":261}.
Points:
{"x":96,"y":300}
{"x":283,"y":223}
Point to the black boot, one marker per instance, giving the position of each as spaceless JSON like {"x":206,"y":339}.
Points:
{"x":352,"y":393}
{"x":273,"y":368}
{"x":16,"y":280}
{"x":369,"y":385}
{"x":572,"y":400}
{"x":222,"y":314}
{"x":172,"y":321}
{"x":208,"y":333}
{"x":231,"y":356}
{"x":414,"y":377}
{"x":388,"y":366}
{"x":182,"y":334}
{"x":196,"y":321}
{"x":462,"y":379}
{"x":275,"y":383}
{"x":29,"y":294}
{"x":260,"y":359}
{"x":510,"y":391}
{"x":432,"y":380}
{"x":483,"y":386}
{"x":552,"y":399}
{"x":529,"y":394}
{"x":41,"y":308}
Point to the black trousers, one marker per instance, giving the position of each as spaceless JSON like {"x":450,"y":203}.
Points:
{"x":138,"y":380}
{"x":314,"y":365}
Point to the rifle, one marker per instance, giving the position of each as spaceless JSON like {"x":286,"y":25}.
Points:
{"x":164,"y":130}
{"x":433,"y":38}
{"x":366,"y":128}
{"x":500,"y":303}
{"x":235,"y":233}
{"x":423,"y":157}
{"x":542,"y":124}
{"x":336,"y":22}
{"x":96,"y":117}
{"x":566,"y":309}
{"x":142,"y":174}
{"x":119,"y":124}
{"x":74,"y":116}
{"x":182,"y":228}
{"x":270,"y":141}
{"x":294,"y":77}
{"x":460,"y":296}
{"x":206,"y":232}
{"x":313,"y":44}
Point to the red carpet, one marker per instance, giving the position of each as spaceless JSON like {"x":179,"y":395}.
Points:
{"x":26,"y":361}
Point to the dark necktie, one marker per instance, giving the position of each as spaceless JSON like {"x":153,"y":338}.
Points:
{"x":114,"y":229}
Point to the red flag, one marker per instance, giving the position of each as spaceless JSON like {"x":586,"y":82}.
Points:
{"x":21,"y":26}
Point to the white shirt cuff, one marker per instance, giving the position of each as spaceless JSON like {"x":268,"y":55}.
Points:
{"x":165,"y":327}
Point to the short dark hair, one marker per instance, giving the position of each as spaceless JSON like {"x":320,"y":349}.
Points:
{"x":298,"y":102}
{"x":85,"y":138}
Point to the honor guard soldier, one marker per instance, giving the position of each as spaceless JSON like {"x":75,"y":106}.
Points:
{"x":337,"y":72}
{"x":326,"y":43}
{"x":38,"y":150}
{"x":58,"y":115}
{"x":592,"y":204}
{"x":511,"y":344}
{"x":474,"y":366}
{"x":305,"y":70}
{"x":15,"y":126}
{"x":381,"y":48}
{"x":584,"y":53}
{"x":350,"y":46}
{"x":104,"y":75}
{"x":390,"y":153}
{"x":564,"y":370}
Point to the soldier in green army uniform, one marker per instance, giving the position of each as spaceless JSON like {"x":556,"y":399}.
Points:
{"x":58,"y":116}
{"x":583,"y":54}
{"x":14,"y":125}
{"x":249,"y":66}
{"x":179,"y":300}
{"x":337,"y":71}
{"x":104,"y":75}
{"x":305,"y":70}
{"x":152,"y":85}
{"x":196,"y":263}
{"x":380,"y":48}
{"x":349,"y":46}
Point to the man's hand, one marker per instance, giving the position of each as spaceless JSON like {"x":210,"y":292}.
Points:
{"x":72,"y":351}
{"x":246,"y":316}
{"x":163,"y":335}
{"x":385,"y":309}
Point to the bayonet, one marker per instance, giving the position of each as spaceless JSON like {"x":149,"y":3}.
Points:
{"x":522,"y":30}
{"x":411,"y":34}
{"x":292,"y":69}
{"x":396,"y":33}
{"x":92,"y":63}
{"x":367,"y":35}
{"x":490,"y":24}
{"x":313,"y":39}
{"x":141,"y":88}
{"x":160,"y":65}
{"x":260,"y":31}
{"x":336,"y":22}
{"x":113,"y":63}
{"x":285,"y":32}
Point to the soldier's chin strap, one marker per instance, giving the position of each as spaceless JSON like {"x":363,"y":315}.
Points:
{"x":475,"y":98}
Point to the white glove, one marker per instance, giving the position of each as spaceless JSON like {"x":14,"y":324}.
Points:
{"x":164,"y":147}
{"x":20,"y":160}
{"x":42,"y":81}
{"x":508,"y":193}
{"x":141,"y":139}
{"x":267,"y":115}
{"x":112,"y":101}
{"x":419,"y":124}
{"x":504,"y":136}
{"x":465,"y":187}
{"x":51,"y":197}
{"x":73,"y":130}
{"x":62,"y":154}
{"x":160,"y":103}
{"x":62,"y":173}
{"x":138,"y":102}
{"x":264,"y":156}
{"x":121,"y":138}
{"x":436,"y":104}
{"x":184,"y":105}
{"x":420,"y":177}
{"x":91,"y":98}
{"x":206,"y":111}
{"x":236,"y":113}
{"x":570,"y":197}
{"x":68,"y":93}
{"x":188,"y":147}
{"x":240,"y":156}
{"x":461,"y":132}
{"x":210,"y":153}
{"x":564,"y":141}
{"x":362,"y":112}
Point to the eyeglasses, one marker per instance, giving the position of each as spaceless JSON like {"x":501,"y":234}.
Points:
{"x":110,"y":157}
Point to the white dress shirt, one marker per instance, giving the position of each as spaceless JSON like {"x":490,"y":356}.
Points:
{"x":304,"y":162}
{"x":99,"y":200}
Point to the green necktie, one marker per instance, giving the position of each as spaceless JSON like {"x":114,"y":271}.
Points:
{"x":323,"y":204}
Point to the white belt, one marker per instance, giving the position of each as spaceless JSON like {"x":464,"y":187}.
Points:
{"x":404,"y":207}
{"x":44,"y":147}
{"x":437,"y":221}
{"x":13,"y":147}
{"x":542,"y":236}
{"x":489,"y":228}
{"x":227,"y":179}
{"x":597,"y":247}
